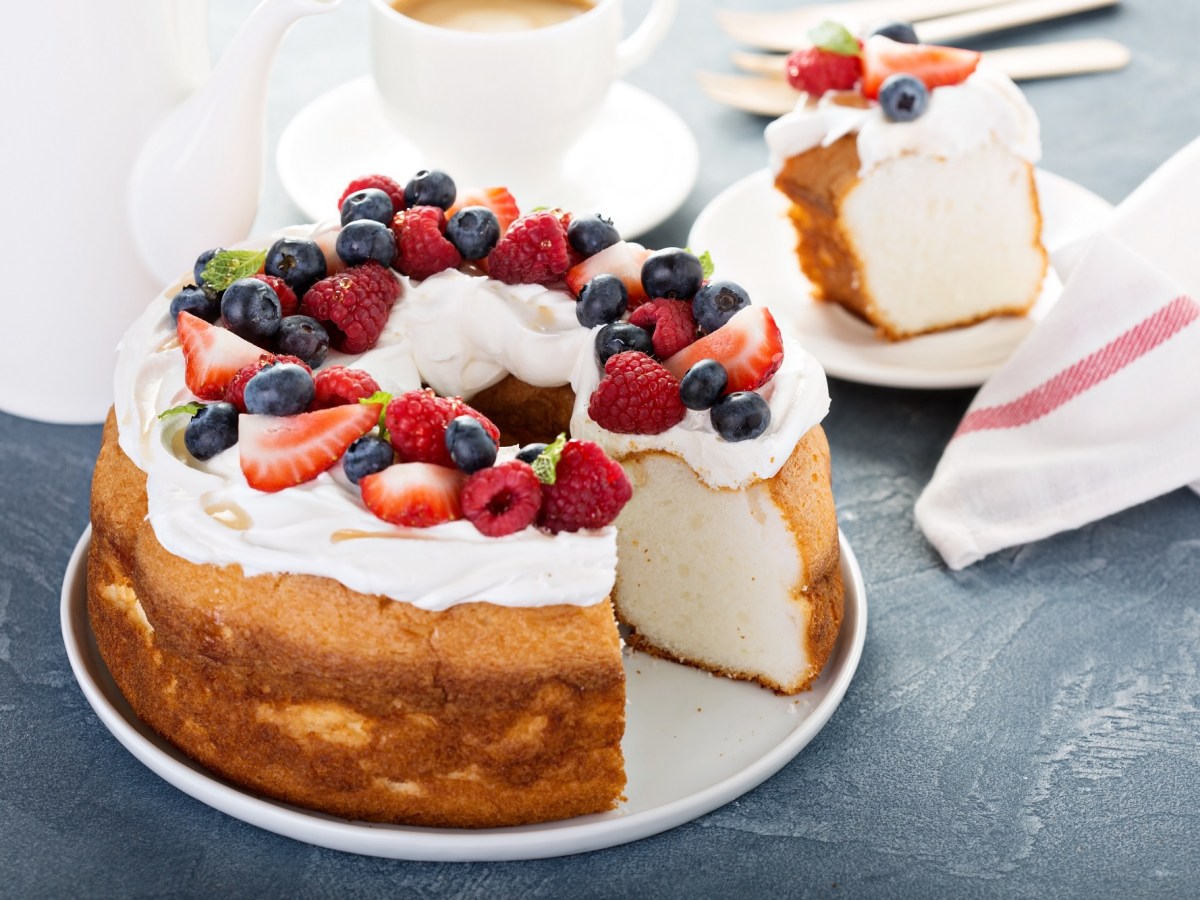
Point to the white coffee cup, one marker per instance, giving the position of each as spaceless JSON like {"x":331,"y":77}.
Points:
{"x":505,"y":107}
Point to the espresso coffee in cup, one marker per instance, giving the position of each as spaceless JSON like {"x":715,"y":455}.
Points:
{"x":491,"y":15}
{"x":498,"y":91}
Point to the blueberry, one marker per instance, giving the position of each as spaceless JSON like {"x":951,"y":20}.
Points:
{"x":530,"y":452}
{"x":303,"y":337}
{"x":703,"y":384}
{"x":366,"y":240}
{"x":903,"y":97}
{"x":202,"y":261}
{"x":672,"y":273}
{"x":619,"y":337}
{"x":898,"y":31}
{"x":603,"y":299}
{"x":369,"y":203}
{"x":469,"y":444}
{"x":591,"y":234}
{"x":198,"y":302}
{"x":366,"y":456}
{"x":474,"y":231}
{"x":251,"y":310}
{"x":279,"y":389}
{"x":298,"y":262}
{"x":740,"y":416}
{"x":716,"y":302}
{"x":429,"y":187}
{"x":213,"y":429}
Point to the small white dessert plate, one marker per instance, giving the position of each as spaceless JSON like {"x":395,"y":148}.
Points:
{"x":752,"y":242}
{"x":693,"y":742}
{"x":636,"y":183}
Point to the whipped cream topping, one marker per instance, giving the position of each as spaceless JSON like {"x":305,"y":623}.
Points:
{"x":458,"y":333}
{"x":985,"y":109}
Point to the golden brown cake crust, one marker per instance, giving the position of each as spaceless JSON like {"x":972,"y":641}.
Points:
{"x":802,"y":492}
{"x":817,"y":182}
{"x":298,"y":688}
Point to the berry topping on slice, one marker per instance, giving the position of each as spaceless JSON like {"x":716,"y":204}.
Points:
{"x":474,"y":231}
{"x":288,"y":304}
{"x":353,"y":305}
{"x":749,"y":346}
{"x":898,"y":31}
{"x":530,"y":452}
{"x":212,"y":429}
{"x":717,"y":302}
{"x":620,"y":337}
{"x":366,"y":456}
{"x":534,"y":250}
{"x":366,"y":240}
{"x":703,"y":384}
{"x":421,"y":246}
{"x":416,"y":422}
{"x":469,"y":444}
{"x":235,"y":391}
{"x":933,"y":65}
{"x":503,"y":499}
{"x":591,"y":234}
{"x":603,"y":299}
{"x":389,"y":186}
{"x":212,"y":356}
{"x":903,"y":97}
{"x":587,"y":489}
{"x":670,"y":323}
{"x":497,"y":199}
{"x":279,"y":452}
{"x":740,"y":416}
{"x":304,"y":338}
{"x":430,"y":187}
{"x":637,"y":395}
{"x":415,"y":495}
{"x":368,"y":203}
{"x":815,"y":71}
{"x":623,"y":259}
{"x":251,"y":310}
{"x":196,"y":300}
{"x":279,"y":389}
{"x":338,"y":385}
{"x":298,"y":262}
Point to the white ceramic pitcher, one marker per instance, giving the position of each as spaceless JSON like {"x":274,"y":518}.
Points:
{"x":123,"y":158}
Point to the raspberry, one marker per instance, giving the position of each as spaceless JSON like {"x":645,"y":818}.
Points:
{"x":338,"y":385}
{"x":637,"y":395}
{"x":534,"y":250}
{"x":288,"y":304}
{"x":382,"y":182}
{"x":353,"y":305}
{"x":416,"y":422}
{"x":421,"y":246}
{"x":502,"y":499}
{"x":588,"y":492}
{"x":670,"y":323}
{"x":816,"y":71}
{"x":235,"y":391}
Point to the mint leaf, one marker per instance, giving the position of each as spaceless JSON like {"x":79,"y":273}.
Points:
{"x":539,"y":209}
{"x":228,"y":266}
{"x":190,"y":408}
{"x":547,"y":462}
{"x":706,"y":265}
{"x":835,"y":38}
{"x":383,"y":398}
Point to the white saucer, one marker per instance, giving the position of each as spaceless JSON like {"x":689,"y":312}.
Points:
{"x":752,"y":242}
{"x":636,"y":183}
{"x":693,"y":742}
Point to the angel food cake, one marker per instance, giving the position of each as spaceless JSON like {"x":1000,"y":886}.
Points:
{"x":910,"y":174}
{"x":316,"y":570}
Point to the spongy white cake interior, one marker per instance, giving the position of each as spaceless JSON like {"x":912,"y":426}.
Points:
{"x":710,"y":575}
{"x":943,"y":242}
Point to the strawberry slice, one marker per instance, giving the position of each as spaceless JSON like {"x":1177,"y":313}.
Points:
{"x":213,"y":356}
{"x":497,"y":199}
{"x":279,"y":452}
{"x":749,"y":346}
{"x":415,"y":495}
{"x":934,"y":65}
{"x":623,"y":259}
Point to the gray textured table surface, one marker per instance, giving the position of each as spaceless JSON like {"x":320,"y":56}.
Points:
{"x":1028,"y":727}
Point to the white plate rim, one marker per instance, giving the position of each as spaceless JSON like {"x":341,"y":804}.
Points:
{"x":873,"y":372}
{"x":447,"y":845}
{"x":679,"y":178}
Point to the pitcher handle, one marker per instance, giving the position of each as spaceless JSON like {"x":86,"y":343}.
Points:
{"x":636,"y":49}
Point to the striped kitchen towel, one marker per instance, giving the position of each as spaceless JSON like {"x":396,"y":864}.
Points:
{"x":1099,"y":408}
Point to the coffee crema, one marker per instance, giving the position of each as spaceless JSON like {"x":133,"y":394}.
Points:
{"x":491,"y":15}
